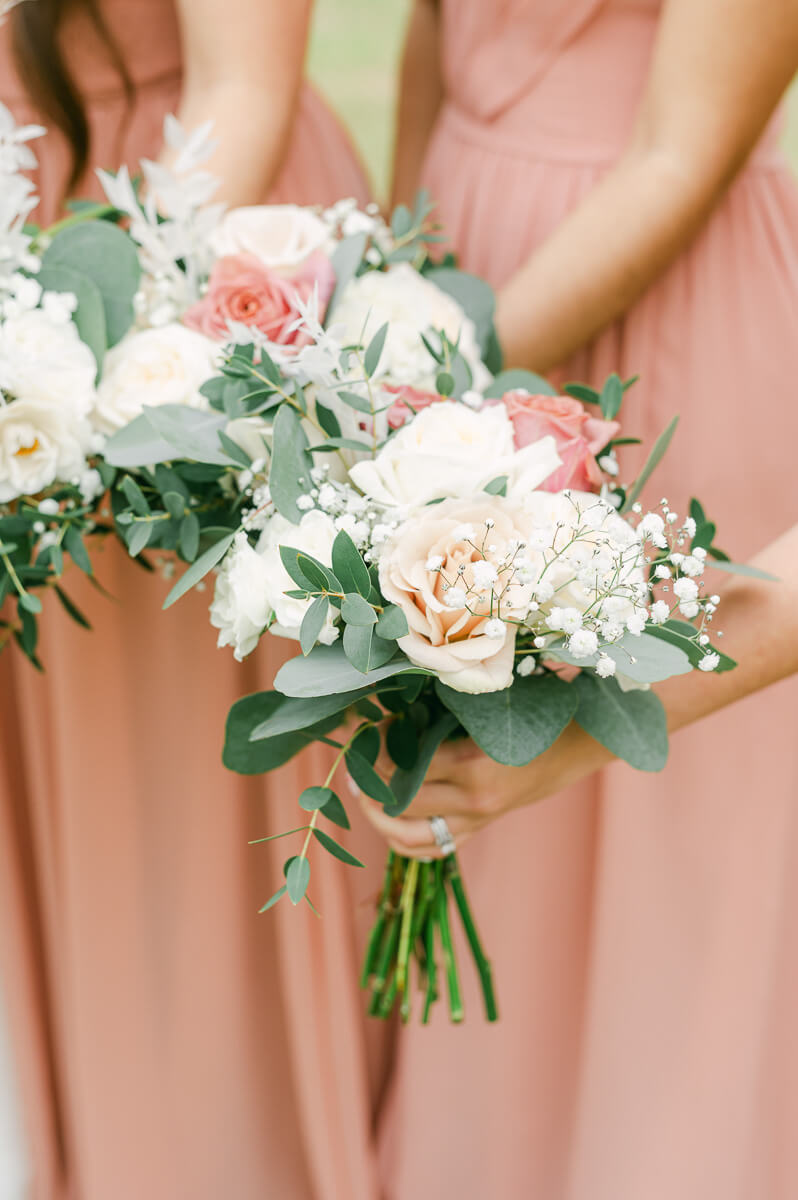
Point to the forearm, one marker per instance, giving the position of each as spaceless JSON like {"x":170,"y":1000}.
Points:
{"x":600,"y":259}
{"x":420,"y":95}
{"x":251,"y":127}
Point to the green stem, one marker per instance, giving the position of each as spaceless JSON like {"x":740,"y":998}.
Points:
{"x":387,"y":951}
{"x":406,"y":906}
{"x":375,"y":937}
{"x":449,"y":961}
{"x":452,"y":871}
{"x":432,"y":968}
{"x":387,"y":998}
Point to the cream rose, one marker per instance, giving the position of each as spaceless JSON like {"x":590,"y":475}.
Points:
{"x":315,"y":535}
{"x":151,"y":367}
{"x":412,"y":305}
{"x":279,"y":235}
{"x":39,"y":444}
{"x":452,"y":450}
{"x":45,"y":361}
{"x":449,"y":569}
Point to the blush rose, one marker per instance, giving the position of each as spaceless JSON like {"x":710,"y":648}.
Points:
{"x":578,"y":435}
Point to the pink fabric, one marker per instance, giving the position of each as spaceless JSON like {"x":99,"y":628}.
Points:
{"x":642,"y":927}
{"x":172,"y":1044}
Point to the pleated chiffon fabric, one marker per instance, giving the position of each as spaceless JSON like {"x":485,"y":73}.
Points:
{"x":170,"y":1043}
{"x":642,"y":927}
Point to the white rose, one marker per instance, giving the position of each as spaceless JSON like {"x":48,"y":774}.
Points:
{"x":450,"y":449}
{"x":412,"y":305}
{"x":315,"y":535}
{"x":40,"y":443}
{"x":151,"y":367}
{"x":453,"y":630}
{"x":45,"y":361}
{"x":240,"y":610}
{"x":280,"y":235}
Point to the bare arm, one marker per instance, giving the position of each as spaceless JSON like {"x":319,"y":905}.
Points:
{"x":718,"y":71}
{"x":243,"y":62}
{"x":420,"y":93}
{"x":760,"y":629}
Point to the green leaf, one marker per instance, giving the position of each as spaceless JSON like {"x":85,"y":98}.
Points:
{"x":313,"y":623}
{"x":278,"y":895}
{"x":497,"y":486}
{"x":189,"y":536}
{"x":392,"y":623}
{"x":357,"y":611}
{"x":332,"y":847}
{"x":168,"y":480}
{"x":325,"y":799}
{"x":297,"y":878}
{"x":444,"y":384}
{"x":580,"y":391}
{"x":353,"y":400}
{"x":138,"y":536}
{"x":291,"y":714}
{"x":405,"y":783}
{"x":248,"y":757}
{"x":327,"y":670}
{"x":643,"y":658}
{"x":109,"y":258}
{"x":29,"y":635}
{"x":652,"y":462}
{"x":199,"y":569}
{"x":175,"y":505}
{"x":401,"y":221}
{"x":346,"y":258}
{"x":76,"y":548}
{"x":517,"y":724}
{"x":682,"y":634}
{"x":367,"y":779}
{"x":291,"y":464}
{"x":401,"y":739}
{"x":704,"y":536}
{"x":89,"y":316}
{"x":611,"y":397}
{"x":367,"y":743}
{"x":72,"y":608}
{"x":742,"y":569}
{"x":328,"y":420}
{"x":365,"y":651}
{"x":30,"y":604}
{"x":697,"y":512}
{"x":474,"y":296}
{"x":374,"y":350}
{"x":348,"y":565}
{"x":167,"y":433}
{"x":135,"y":497}
{"x":630,"y":724}
{"x":233,"y":451}
{"x":516,"y":377}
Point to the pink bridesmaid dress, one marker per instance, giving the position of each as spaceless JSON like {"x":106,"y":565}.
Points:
{"x":642,"y":927}
{"x":171,"y":1044}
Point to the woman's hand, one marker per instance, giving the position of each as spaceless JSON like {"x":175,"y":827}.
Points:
{"x":470,"y":790}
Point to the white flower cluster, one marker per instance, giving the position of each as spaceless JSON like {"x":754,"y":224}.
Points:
{"x":17,"y":195}
{"x":174,"y":222}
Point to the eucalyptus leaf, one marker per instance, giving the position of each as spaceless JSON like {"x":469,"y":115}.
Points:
{"x":364,"y":650}
{"x":313,"y":623}
{"x":632,"y":725}
{"x":199,"y":569}
{"x":109,"y":257}
{"x":742,"y":569}
{"x":474,"y":295}
{"x":611,"y":397}
{"x":189,"y":536}
{"x":138,"y":537}
{"x":291,"y":714}
{"x":346,"y":258}
{"x":392,"y":623}
{"x":357,"y":611}
{"x":367,"y":779}
{"x":371,"y":358}
{"x":643,"y":658}
{"x":580,"y":391}
{"x":517,"y":724}
{"x":652,"y":462}
{"x":337,"y":851}
{"x":348,"y":565}
{"x":291,"y":464}
{"x":516,"y":377}
{"x":270,"y":903}
{"x":248,"y":757}
{"x":405,"y":783}
{"x":89,"y":316}
{"x":326,"y":670}
{"x":297,"y":878}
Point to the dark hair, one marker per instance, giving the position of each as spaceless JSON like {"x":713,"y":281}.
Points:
{"x":46,"y":75}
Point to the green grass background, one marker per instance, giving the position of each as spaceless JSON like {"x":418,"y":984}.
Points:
{"x":354,"y":58}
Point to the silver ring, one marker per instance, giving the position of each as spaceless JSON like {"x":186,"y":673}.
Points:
{"x":442,"y":834}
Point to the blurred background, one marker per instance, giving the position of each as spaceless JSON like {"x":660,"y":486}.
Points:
{"x":354,"y":57}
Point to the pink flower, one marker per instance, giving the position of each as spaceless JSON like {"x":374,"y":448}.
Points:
{"x":242,"y":289}
{"x":579,"y":436}
{"x":408,"y":402}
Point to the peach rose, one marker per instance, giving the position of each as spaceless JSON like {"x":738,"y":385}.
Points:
{"x":579,"y":436}
{"x":408,"y":402}
{"x":455,"y":630}
{"x":242,"y":289}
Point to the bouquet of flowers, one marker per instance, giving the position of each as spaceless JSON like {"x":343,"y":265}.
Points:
{"x":450,"y":546}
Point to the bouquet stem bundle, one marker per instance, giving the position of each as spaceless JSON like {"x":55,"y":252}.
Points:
{"x":412,"y":926}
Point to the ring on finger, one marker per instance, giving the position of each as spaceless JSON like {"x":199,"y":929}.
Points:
{"x":442,"y":835}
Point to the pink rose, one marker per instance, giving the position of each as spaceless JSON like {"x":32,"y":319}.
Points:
{"x":579,"y":436}
{"x":242,"y":289}
{"x":408,"y":402}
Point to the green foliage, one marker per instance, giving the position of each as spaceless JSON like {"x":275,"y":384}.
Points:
{"x":248,"y":757}
{"x":199,"y":569}
{"x":632,"y":725}
{"x":652,"y":462}
{"x":474,"y":296}
{"x":337,"y":851}
{"x":89,"y":316}
{"x":644,"y":658}
{"x":313,"y":623}
{"x":297,"y":878}
{"x":516,"y":377}
{"x":392,"y":623}
{"x":348,"y":565}
{"x":517,"y":724}
{"x":346,"y":258}
{"x":325,"y":799}
{"x":365,"y":651}
{"x":291,"y":464}
{"x":611,"y":397}
{"x":167,"y":433}
{"x":405,"y":782}
{"x":683,"y":635}
{"x":284,"y":715}
{"x":371,"y":359}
